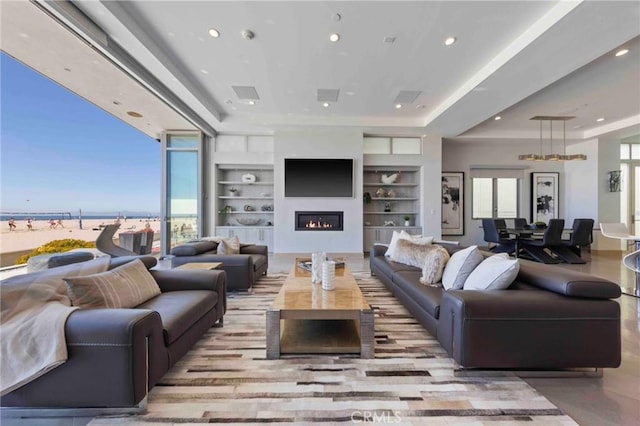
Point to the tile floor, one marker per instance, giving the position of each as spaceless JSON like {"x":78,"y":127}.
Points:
{"x":613,"y":399}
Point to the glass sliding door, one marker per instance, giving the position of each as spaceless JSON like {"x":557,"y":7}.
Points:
{"x":182,"y":188}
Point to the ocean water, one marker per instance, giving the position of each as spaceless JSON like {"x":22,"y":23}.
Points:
{"x":56,"y":216}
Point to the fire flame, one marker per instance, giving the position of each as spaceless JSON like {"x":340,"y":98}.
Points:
{"x":317,"y":224}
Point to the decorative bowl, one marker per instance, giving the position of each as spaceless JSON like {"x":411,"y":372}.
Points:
{"x":248,"y":221}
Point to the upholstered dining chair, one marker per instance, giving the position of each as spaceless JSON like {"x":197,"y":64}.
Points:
{"x":492,"y":235}
{"x":539,"y":249}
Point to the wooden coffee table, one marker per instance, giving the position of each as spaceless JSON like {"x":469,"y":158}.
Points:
{"x":200,"y":266}
{"x":305,"y":319}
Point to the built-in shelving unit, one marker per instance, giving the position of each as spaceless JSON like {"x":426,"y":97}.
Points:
{"x":248,"y":211}
{"x":387,"y":203}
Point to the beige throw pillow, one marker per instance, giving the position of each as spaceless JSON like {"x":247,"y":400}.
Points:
{"x":229,"y":246}
{"x":430,"y":258}
{"x":126,"y":286}
{"x":393,"y":245}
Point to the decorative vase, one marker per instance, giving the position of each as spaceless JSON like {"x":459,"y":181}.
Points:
{"x":248,"y":178}
{"x":328,"y":275}
{"x":316,"y":267}
{"x":407,"y":223}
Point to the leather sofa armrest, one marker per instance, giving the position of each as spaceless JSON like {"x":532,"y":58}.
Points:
{"x":107,"y":362}
{"x":182,"y":279}
{"x":528,"y":329}
{"x":255,"y":249}
{"x":378,"y":250}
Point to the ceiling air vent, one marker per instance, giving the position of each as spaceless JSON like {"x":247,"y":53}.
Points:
{"x":246,"y":92}
{"x":407,"y":96}
{"x":328,"y":95}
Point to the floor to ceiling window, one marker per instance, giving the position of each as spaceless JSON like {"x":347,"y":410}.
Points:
{"x":182,"y":172}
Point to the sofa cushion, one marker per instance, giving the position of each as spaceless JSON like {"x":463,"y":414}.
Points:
{"x":126,"y":286}
{"x":420,"y":255}
{"x":494,"y":273}
{"x":179,"y":310}
{"x":428,"y":297}
{"x":194,"y":248}
{"x":229,"y":246}
{"x":404,"y":235}
{"x":460,"y":266}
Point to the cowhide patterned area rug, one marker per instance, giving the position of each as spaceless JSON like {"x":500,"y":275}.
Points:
{"x":226,"y":379}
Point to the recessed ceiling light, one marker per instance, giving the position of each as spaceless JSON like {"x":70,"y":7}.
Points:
{"x":449,"y":41}
{"x":497,"y":117}
{"x":350,"y":93}
{"x":134,"y":114}
{"x":117,"y":103}
{"x":326,"y":104}
{"x":204,"y":71}
{"x":251,"y":102}
{"x":214,"y":33}
{"x":228,"y":101}
{"x":622,"y":52}
{"x":398,"y":106}
{"x":419,"y":106}
{"x":389,"y":39}
{"x":600,"y":119}
{"x":334,"y":37}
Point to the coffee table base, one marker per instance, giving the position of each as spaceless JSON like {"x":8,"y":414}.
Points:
{"x":320,"y":336}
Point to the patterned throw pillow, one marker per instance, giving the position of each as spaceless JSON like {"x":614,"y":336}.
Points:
{"x":430,"y":258}
{"x":229,"y":246}
{"x":126,"y":286}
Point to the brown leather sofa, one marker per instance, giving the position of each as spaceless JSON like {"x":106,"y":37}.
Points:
{"x":549,"y":318}
{"x":116,"y":355}
{"x":242,"y":269}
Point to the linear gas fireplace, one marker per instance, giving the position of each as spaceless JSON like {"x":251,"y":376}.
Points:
{"x":318,"y":221}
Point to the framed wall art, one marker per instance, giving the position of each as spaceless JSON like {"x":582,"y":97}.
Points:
{"x":452,"y":203}
{"x":544,"y":196}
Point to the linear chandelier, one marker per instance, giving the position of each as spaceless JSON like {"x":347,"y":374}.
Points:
{"x":553,"y":156}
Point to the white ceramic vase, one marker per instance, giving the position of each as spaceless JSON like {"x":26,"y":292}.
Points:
{"x":328,"y":275}
{"x":316,"y":267}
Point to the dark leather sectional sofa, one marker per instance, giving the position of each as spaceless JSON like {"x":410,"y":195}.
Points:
{"x":549,"y":318}
{"x":242,"y":269}
{"x":115,"y":355}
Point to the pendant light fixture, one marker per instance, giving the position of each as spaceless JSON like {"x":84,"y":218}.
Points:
{"x":553,"y":156}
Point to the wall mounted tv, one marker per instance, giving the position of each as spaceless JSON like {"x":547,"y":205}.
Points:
{"x":318,"y":177}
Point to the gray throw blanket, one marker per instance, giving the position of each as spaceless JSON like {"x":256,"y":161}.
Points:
{"x":34,"y":310}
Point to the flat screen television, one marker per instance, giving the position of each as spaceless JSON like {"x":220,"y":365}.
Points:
{"x":318,"y":177}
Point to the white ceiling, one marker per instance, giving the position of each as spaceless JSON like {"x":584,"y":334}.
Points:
{"x":516,"y":59}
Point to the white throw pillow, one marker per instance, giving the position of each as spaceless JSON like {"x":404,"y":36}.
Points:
{"x":460,"y":266}
{"x":494,"y":273}
{"x":416,"y":239}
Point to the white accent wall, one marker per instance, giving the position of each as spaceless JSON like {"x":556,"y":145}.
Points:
{"x":317,"y":143}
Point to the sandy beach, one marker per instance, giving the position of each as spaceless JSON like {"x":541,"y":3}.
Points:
{"x":15,"y":243}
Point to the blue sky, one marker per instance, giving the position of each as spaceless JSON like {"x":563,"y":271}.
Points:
{"x":62,"y":153}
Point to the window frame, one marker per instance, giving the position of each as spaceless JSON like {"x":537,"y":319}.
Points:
{"x":494,"y":198}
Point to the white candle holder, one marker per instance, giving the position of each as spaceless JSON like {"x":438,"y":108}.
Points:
{"x":328,"y":275}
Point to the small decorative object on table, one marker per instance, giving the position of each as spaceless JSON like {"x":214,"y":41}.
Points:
{"x":317,"y":259}
{"x":389,"y":223}
{"x":391,"y":194}
{"x":407,"y":218}
{"x":381,"y":193}
{"x":248,"y":208}
{"x":387,"y":207}
{"x":234,"y":192}
{"x":328,"y":275}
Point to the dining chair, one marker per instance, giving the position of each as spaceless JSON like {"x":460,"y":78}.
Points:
{"x":541,"y":250}
{"x":520,"y":223}
{"x":492,"y":235}
{"x":581,"y":236}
